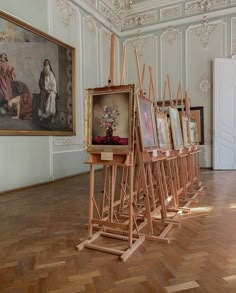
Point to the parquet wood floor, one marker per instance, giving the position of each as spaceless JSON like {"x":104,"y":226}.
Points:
{"x":40,"y":227}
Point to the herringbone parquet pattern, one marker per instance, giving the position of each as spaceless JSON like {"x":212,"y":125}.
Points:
{"x":40,"y":227}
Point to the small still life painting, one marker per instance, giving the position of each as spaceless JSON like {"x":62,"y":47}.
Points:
{"x":110,"y":118}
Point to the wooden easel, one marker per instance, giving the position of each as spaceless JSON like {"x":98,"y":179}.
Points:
{"x":193,"y":159}
{"x":152,"y":175}
{"x":113,"y":216}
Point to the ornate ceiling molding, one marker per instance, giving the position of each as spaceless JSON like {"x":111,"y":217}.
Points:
{"x":139,"y":20}
{"x":199,"y":6}
{"x":110,"y":15}
{"x":66,"y":10}
{"x":170,"y":12}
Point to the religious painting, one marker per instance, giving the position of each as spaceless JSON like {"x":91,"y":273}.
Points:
{"x":110,"y":118}
{"x":193,"y":132}
{"x":147,"y":123}
{"x":36,"y":81}
{"x":176,"y":128}
{"x":162,"y":131}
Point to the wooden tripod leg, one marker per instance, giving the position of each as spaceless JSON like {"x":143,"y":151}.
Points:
{"x":158,"y":173}
{"x":103,"y":197}
{"x":197,"y":169}
{"x":150,"y":183}
{"x":112,"y":192}
{"x":164,"y":179}
{"x":190,"y":171}
{"x":122,"y":186}
{"x":183,"y":176}
{"x":131,"y":211}
{"x":144,"y":182}
{"x":172,"y":183}
{"x":91,"y":194}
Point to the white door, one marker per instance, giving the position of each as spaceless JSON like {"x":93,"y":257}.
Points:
{"x":224,"y":114}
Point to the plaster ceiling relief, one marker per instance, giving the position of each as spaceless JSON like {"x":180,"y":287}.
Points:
{"x":110,"y":15}
{"x":171,"y":12}
{"x":140,"y":20}
{"x":66,"y":10}
{"x":198,"y":6}
{"x":171,"y":35}
{"x":205,"y":32}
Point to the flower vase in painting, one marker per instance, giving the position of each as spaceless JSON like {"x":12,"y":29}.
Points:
{"x":109,"y":121}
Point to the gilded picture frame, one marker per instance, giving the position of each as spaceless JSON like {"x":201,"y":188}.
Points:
{"x":176,"y":128}
{"x":37,"y":81}
{"x":109,"y":123}
{"x":147,"y":124}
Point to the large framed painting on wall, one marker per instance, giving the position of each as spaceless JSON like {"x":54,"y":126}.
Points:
{"x":37,"y":75}
{"x":110,"y":119}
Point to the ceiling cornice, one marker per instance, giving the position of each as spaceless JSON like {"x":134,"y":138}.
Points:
{"x":181,"y":21}
{"x":95,"y":11}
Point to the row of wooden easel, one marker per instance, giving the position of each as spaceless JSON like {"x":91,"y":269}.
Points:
{"x":143,"y":192}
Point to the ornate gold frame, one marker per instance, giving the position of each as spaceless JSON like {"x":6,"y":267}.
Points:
{"x":28,"y":36}
{"x":90,"y":96}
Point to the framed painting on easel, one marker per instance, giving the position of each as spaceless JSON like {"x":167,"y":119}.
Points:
{"x":147,"y":123}
{"x":162,"y":131}
{"x":193,"y":132}
{"x":176,"y":128}
{"x":185,"y":124}
{"x":110,"y":118}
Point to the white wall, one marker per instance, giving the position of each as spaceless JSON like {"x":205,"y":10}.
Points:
{"x":187,"y":54}
{"x":30,"y":160}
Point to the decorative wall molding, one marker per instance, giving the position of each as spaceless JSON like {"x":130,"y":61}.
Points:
{"x":66,"y":10}
{"x":199,"y":6}
{"x":170,"y":12}
{"x":141,"y":19}
{"x":138,"y":43}
{"x":170,"y":35}
{"x":204,"y":84}
{"x":90,"y":22}
{"x":205,"y":31}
